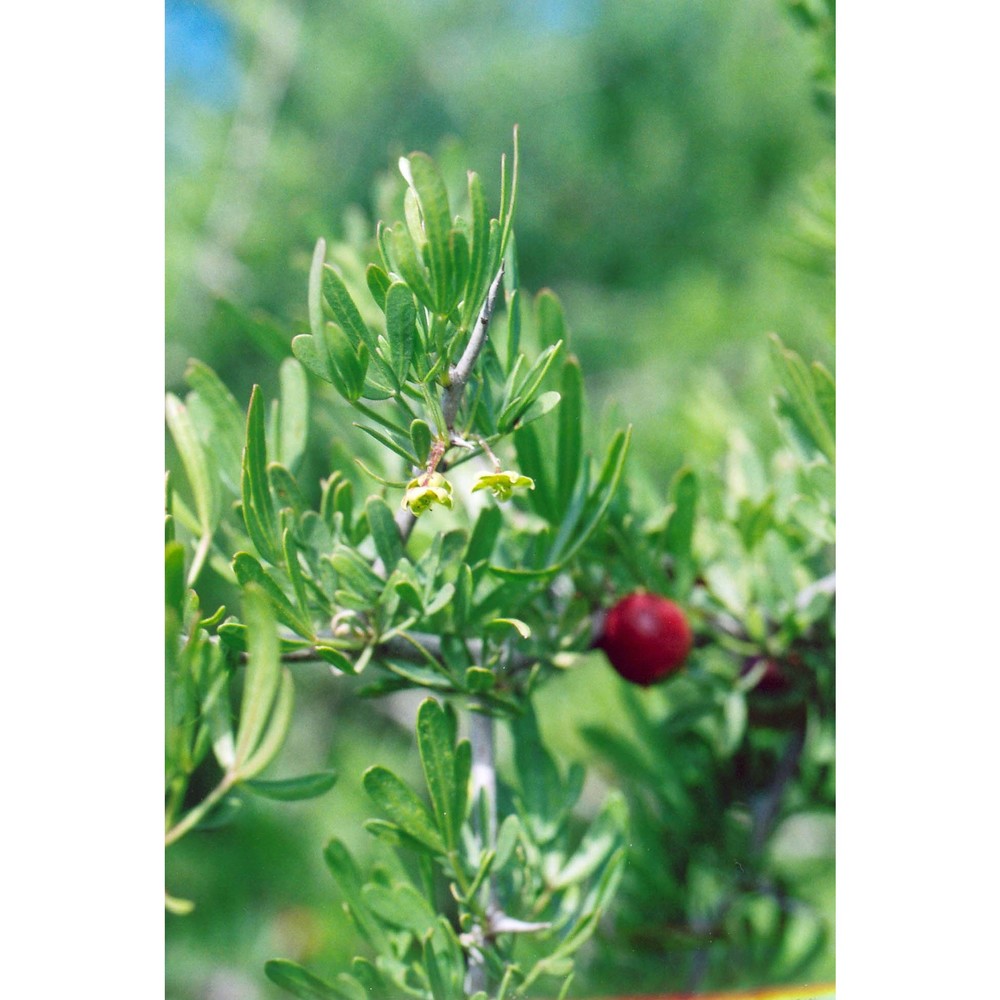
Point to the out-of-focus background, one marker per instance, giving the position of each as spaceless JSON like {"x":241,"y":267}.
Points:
{"x":676,"y":193}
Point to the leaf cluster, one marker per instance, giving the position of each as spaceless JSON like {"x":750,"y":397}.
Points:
{"x":519,"y":908}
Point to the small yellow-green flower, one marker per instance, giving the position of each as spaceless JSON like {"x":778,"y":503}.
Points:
{"x":503,"y":484}
{"x":421,"y":496}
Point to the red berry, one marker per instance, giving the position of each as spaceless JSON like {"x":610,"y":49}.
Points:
{"x":646,"y":638}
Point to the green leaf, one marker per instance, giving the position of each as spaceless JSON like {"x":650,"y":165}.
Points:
{"x":393,"y":442}
{"x":277,"y":729}
{"x":226,"y":438}
{"x":507,"y":838}
{"x":330,"y":356}
{"x":355,"y":573}
{"x":515,"y":623}
{"x":384,"y":531}
{"x":479,"y":679}
{"x":175,"y":588}
{"x":445,"y":963}
{"x":249,"y":571}
{"x":401,"y":906}
{"x":294,"y":413}
{"x":513,"y":328}
{"x":258,"y":508}
{"x":462,"y":601}
{"x":316,"y":289}
{"x":403,"y":807}
{"x":196,"y":466}
{"x":307,"y":786}
{"x":600,"y":499}
{"x":546,"y":401}
{"x":348,"y":879}
{"x":286,"y":489}
{"x":569,"y":449}
{"x":263,"y":671}
{"x":678,"y":535}
{"x":336,"y":658}
{"x":435,"y":741}
{"x":524,"y":394}
{"x":508,"y":194}
{"x":420,"y":435}
{"x":602,"y":838}
{"x":400,"y":323}
{"x":422,"y":173}
{"x":551,"y":321}
{"x":439,"y":600}
{"x":302,"y":983}
{"x":378,"y":284}
{"x":476,"y":283}
{"x":484,"y":535}
{"x":408,"y":264}
{"x":538,"y":776}
{"x":459,"y":263}
{"x":290,"y":550}
{"x":344,"y":312}
{"x":532,"y":463}
{"x":801,"y":386}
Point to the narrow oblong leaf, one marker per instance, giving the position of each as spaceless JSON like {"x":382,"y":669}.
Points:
{"x":476,"y":283}
{"x":348,"y":878}
{"x":378,"y":284}
{"x":484,"y":535}
{"x":551,"y":321}
{"x":336,"y":658}
{"x":401,"y":906}
{"x":508,"y":195}
{"x":299,"y":981}
{"x":385,"y":533}
{"x":532,"y":463}
{"x":294,"y":413}
{"x":315,"y":298}
{"x":263,"y":671}
{"x":601,"y":498}
{"x":277,"y":729}
{"x":403,"y":807}
{"x":409,"y":265}
{"x":538,"y":777}
{"x":400,"y":324}
{"x":546,"y":402}
{"x":306,"y":786}
{"x":426,"y":179}
{"x":249,"y":571}
{"x":521,"y":627}
{"x":344,"y":312}
{"x":420,"y":436}
{"x":258,"y":508}
{"x":395,"y":443}
{"x":196,"y":466}
{"x":458,"y":271}
{"x":801,"y":388}
{"x":437,"y":755}
{"x":227,"y":420}
{"x":602,"y":838}
{"x":569,"y":449}
{"x":524,"y":394}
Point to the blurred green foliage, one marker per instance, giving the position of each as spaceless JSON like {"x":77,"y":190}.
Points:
{"x":676,"y":192}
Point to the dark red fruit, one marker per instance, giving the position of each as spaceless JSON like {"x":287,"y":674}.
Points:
{"x":646,"y":638}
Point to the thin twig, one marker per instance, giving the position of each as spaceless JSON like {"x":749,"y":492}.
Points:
{"x":403,"y":648}
{"x":484,"y":783}
{"x":460,"y":373}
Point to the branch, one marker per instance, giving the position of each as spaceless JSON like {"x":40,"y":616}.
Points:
{"x":401,"y":648}
{"x":484,"y":782}
{"x":765,"y":809}
{"x":460,"y":373}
